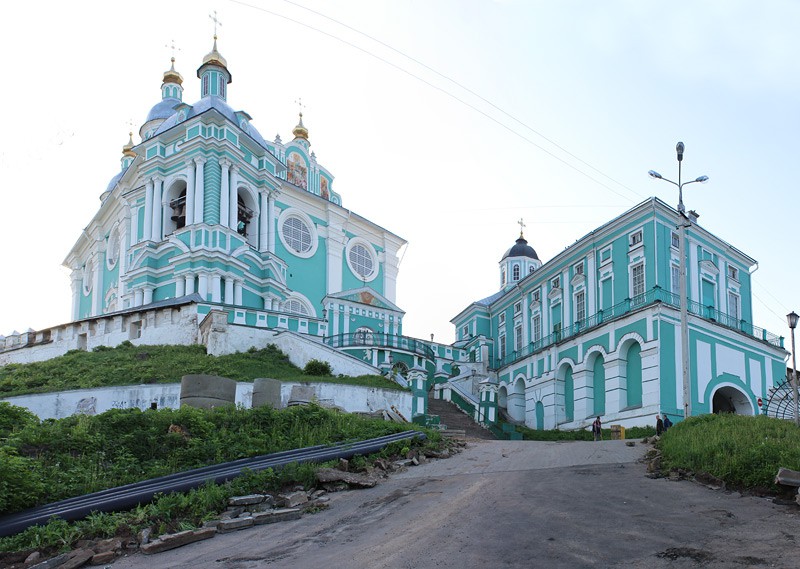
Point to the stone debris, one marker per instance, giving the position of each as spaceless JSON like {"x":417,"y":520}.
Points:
{"x":292,"y":499}
{"x":787,"y":477}
{"x":172,"y":541}
{"x":709,"y":480}
{"x":274,"y":516}
{"x":630,"y":443}
{"x":226,"y":526}
{"x":247,"y":500}
{"x":331,"y":475}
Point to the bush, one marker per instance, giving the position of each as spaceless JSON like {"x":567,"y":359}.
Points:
{"x":317,"y":367}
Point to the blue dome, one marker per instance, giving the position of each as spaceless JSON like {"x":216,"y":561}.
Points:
{"x":521,"y":249}
{"x":114,"y":181}
{"x":163,"y":109}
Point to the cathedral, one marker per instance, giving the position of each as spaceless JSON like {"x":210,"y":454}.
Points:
{"x":204,"y":207}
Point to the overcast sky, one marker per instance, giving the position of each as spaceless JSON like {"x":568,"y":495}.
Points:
{"x":442,"y":121}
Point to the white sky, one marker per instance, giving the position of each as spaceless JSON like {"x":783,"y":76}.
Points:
{"x":614,"y":83}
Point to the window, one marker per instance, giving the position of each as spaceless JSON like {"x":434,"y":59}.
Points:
{"x":112,"y":249}
{"x":517,"y":308}
{"x":675,"y":240}
{"x":537,"y":328}
{"x":733,"y":306}
{"x":531,"y":269}
{"x":580,"y":306}
{"x":578,"y":268}
{"x":503,"y":276}
{"x":205,"y":85}
{"x":501,"y":346}
{"x":296,"y":235}
{"x":360,"y":257}
{"x":501,"y":321}
{"x":518,"y":337}
{"x":465,"y":331}
{"x":635,"y":238}
{"x":637,"y":280}
{"x":605,"y":256}
{"x":676,"y":279}
{"x":222,"y":86}
{"x":515,"y":272}
{"x":88,"y":277}
{"x":363,"y":336}
{"x":295,"y":306}
{"x":536,"y":296}
{"x":556,"y":282}
{"x":733,"y":273}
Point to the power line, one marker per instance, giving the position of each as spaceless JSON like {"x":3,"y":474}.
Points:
{"x":451,"y":95}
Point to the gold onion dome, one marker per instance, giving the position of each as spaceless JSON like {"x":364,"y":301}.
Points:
{"x":300,"y":131}
{"x":173,"y":76}
{"x":127,"y":150}
{"x":214,"y":57}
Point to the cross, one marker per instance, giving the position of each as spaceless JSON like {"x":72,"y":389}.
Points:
{"x":216,"y":22}
{"x":130,"y":127}
{"x":300,"y":104}
{"x":173,"y":48}
{"x":521,"y":226}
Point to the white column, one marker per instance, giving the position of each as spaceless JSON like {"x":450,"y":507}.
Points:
{"x":199,"y":190}
{"x":76,"y":293}
{"x":202,"y":285}
{"x":157,"y":209}
{"x":189,"y":286}
{"x":216,"y":288}
{"x":237,"y":293}
{"x":190,"y":192}
{"x":271,"y":221}
{"x":124,"y":245}
{"x":263,"y":225}
{"x":233,"y":217}
{"x":335,"y":247}
{"x":229,"y":291}
{"x":137,"y":297}
{"x":224,"y":193}
{"x":180,"y":287}
{"x":148,"y":212}
{"x":148,"y":295}
{"x":97,"y":284}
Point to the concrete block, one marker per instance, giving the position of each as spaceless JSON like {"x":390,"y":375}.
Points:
{"x":274,"y":516}
{"x":77,"y":558}
{"x":267,"y":391}
{"x":226,"y":526}
{"x":293,"y":499}
{"x":246,"y":500}
{"x":172,"y":541}
{"x":207,"y":391}
{"x":787,"y":477}
{"x":102,"y":558}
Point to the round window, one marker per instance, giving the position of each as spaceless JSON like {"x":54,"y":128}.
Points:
{"x":361,"y":261}
{"x":296,"y":235}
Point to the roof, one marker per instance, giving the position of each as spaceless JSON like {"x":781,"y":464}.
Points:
{"x":521,"y":249}
{"x":164,"y":109}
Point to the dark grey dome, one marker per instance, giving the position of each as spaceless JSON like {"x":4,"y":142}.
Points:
{"x":521,"y":249}
{"x":163,"y":109}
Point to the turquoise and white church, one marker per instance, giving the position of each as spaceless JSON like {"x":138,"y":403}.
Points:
{"x":211,"y":234}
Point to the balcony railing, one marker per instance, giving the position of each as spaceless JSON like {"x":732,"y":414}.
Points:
{"x":629,"y":305}
{"x":381,"y":340}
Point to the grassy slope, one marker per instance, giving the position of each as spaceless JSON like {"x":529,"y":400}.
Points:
{"x":744,"y":451}
{"x":133,"y":365}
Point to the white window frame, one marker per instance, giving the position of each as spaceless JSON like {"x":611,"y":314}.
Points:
{"x":518,"y":337}
{"x":639,"y":265}
{"x":733,"y":273}
{"x":501,"y":346}
{"x":555,"y":282}
{"x":675,"y":278}
{"x":515,"y":272}
{"x":536,"y":296}
{"x":310,"y":225}
{"x":734,"y":301}
{"x":517,"y":307}
{"x":578,"y":268}
{"x":370,"y":250}
{"x":675,"y":240}
{"x":501,"y":319}
{"x":536,"y":326}
{"x":580,"y":305}
{"x":610,"y":252}
{"x":636,"y":239}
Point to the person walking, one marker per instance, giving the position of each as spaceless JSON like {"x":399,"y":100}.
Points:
{"x":667,"y":422}
{"x":659,"y":425}
{"x":597,"y":429}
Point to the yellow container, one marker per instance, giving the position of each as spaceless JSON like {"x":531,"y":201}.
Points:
{"x":617,"y":433}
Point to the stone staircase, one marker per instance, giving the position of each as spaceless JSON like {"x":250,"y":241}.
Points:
{"x":459,"y":424}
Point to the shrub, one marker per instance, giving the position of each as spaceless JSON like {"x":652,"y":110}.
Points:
{"x":317,"y":367}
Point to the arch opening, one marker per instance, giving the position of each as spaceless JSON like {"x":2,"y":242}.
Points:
{"x":728,"y":399}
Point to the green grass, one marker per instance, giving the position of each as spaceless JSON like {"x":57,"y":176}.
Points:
{"x":745,"y":452}
{"x":45,"y":461}
{"x":133,"y":365}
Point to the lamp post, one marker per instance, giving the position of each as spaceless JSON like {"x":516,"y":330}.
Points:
{"x":683,"y":223}
{"x":791,"y":318}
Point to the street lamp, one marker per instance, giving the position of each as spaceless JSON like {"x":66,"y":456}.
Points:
{"x":791,"y":318}
{"x":683,"y":223}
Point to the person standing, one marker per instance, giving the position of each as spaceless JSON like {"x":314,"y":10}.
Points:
{"x":597,"y":429}
{"x":667,"y":423}
{"x":659,"y":425}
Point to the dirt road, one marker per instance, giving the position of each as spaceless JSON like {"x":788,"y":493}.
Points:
{"x":516,"y":504}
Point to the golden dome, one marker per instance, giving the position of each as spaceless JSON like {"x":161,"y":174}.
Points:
{"x":127,"y":150}
{"x":214,"y":57}
{"x":300,"y":131}
{"x":173,"y":76}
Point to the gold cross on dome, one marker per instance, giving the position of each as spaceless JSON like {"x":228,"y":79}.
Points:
{"x":173,"y":48}
{"x":521,"y":226}
{"x":300,"y":105}
{"x":216,"y":22}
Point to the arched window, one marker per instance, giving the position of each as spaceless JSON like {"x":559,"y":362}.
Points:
{"x":515,"y":272}
{"x":295,"y":306}
{"x":599,"y":386}
{"x":633,"y":375}
{"x":363,"y":336}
